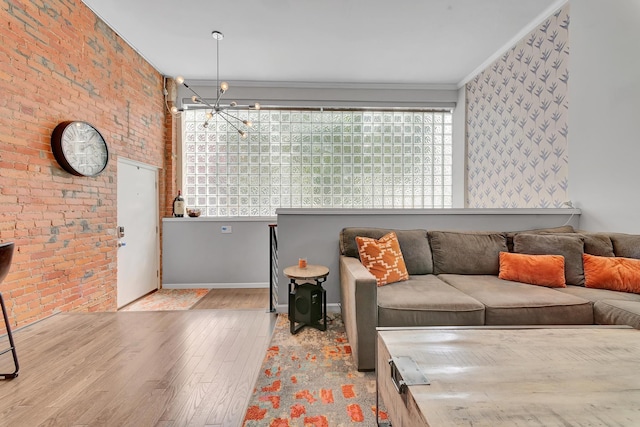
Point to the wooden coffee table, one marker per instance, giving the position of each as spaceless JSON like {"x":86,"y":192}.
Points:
{"x":564,"y":376}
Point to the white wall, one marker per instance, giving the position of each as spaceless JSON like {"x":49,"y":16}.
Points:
{"x":460,"y":151}
{"x":604,"y":113}
{"x":517,"y":122}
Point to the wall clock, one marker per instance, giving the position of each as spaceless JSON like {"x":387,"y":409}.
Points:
{"x":79,"y":148}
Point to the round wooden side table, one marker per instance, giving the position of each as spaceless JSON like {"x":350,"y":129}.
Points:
{"x":307,"y":297}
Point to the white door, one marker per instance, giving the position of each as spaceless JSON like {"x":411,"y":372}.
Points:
{"x":138,"y":248}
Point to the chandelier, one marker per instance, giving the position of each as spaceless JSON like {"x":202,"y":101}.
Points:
{"x":215,"y":107}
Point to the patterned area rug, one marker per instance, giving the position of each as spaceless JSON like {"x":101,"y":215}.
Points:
{"x":309,"y":379}
{"x":167,"y":299}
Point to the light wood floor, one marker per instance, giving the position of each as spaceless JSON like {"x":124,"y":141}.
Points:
{"x":235,"y":298}
{"x":166,"y":368}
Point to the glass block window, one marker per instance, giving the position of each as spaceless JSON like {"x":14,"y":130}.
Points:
{"x":317,"y":159}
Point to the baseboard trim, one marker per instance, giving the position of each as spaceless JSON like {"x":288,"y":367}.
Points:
{"x":214,"y":285}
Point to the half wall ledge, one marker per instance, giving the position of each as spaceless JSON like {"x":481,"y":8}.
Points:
{"x":314,"y":233}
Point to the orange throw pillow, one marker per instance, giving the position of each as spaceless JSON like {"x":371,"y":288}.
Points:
{"x":613,"y":273}
{"x":383,"y":258}
{"x":543,"y":270}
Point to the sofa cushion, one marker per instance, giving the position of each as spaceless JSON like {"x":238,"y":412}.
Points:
{"x":383,"y":258}
{"x":594,"y":243}
{"x":626,"y":245}
{"x":561,"y":229}
{"x":593,"y":295}
{"x":614,"y":273}
{"x":413,"y":244}
{"x":514,"y":303}
{"x":426,"y":301}
{"x":571,"y":247}
{"x":542,"y":270}
{"x":598,"y":244}
{"x":617,"y":312}
{"x":466,"y":252}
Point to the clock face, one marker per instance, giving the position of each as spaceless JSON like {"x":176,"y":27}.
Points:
{"x":79,"y":148}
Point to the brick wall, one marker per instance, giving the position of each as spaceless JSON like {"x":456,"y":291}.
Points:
{"x":59,"y":62}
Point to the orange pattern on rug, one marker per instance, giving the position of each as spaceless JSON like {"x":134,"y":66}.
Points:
{"x":309,"y":379}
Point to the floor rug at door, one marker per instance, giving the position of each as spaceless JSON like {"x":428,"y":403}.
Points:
{"x":309,"y":379}
{"x":167,"y":299}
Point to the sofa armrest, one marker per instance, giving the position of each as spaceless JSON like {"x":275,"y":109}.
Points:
{"x":358,"y":292}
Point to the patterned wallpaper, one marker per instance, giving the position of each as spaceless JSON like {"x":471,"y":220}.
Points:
{"x":517,"y":113}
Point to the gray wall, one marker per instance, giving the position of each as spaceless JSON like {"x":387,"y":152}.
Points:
{"x":604,"y":97}
{"x":314,"y":233}
{"x":328,"y":95}
{"x":196,"y":254}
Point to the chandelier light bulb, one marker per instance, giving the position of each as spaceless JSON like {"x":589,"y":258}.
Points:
{"x":243,"y":134}
{"x":209,"y":115}
{"x":174,"y":110}
{"x":256,"y":106}
{"x":179,"y":80}
{"x":233,"y":104}
{"x":224,"y":86}
{"x":247,"y":123}
{"x":205,"y":125}
{"x":195,"y":98}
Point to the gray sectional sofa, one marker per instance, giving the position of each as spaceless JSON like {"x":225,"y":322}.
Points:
{"x":453,"y":281}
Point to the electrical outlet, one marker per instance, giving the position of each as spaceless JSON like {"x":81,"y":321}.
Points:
{"x":226,"y":229}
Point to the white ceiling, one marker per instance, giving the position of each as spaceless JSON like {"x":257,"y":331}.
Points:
{"x":412,"y":42}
